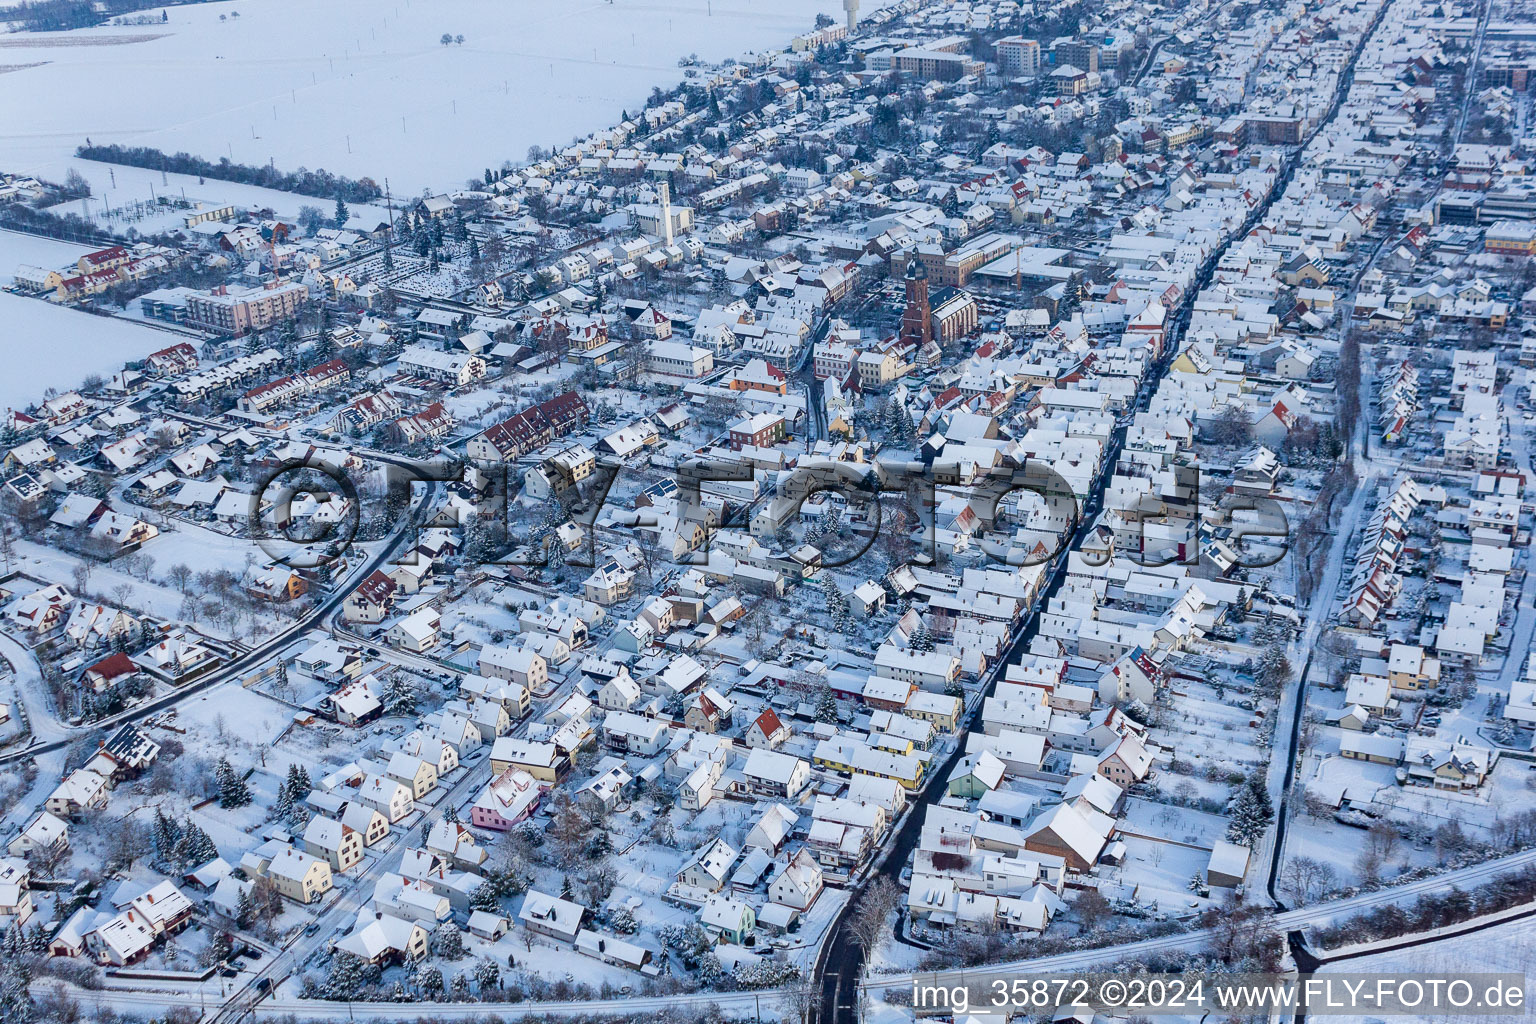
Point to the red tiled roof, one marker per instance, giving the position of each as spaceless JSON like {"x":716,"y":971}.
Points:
{"x":768,"y":722}
{"x":116,"y":665}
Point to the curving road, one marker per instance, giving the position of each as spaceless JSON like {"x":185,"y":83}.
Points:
{"x":59,"y":735}
{"x":32,"y":693}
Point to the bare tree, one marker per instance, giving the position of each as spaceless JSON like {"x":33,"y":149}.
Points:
{"x":869,"y":921}
{"x":45,"y":858}
{"x":7,"y":543}
{"x":1092,"y":909}
{"x":1232,"y":428}
{"x":802,"y":998}
{"x":1368,"y":866}
{"x":1305,"y":878}
{"x":1241,"y":933}
{"x":1382,"y":839}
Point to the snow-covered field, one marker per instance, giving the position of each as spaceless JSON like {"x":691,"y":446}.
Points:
{"x":363,"y":87}
{"x":1507,"y":948}
{"x":17,"y":248}
{"x":124,"y":197}
{"x":46,"y":346}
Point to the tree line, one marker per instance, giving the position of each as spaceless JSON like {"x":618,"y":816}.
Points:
{"x":71,"y":227}
{"x":1433,"y":910}
{"x":315,"y":183}
{"x":62,"y":15}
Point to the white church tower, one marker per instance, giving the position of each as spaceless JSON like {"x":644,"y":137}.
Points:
{"x":666,"y":211}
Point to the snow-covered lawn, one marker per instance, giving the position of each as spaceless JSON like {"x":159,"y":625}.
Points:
{"x":47,"y":346}
{"x":1161,"y":872}
{"x":367,"y":89}
{"x":1182,"y":824}
{"x":229,"y":721}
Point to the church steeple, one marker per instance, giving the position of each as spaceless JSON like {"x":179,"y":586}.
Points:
{"x":916,"y":321}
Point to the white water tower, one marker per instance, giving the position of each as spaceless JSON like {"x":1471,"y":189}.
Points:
{"x":852,"y":7}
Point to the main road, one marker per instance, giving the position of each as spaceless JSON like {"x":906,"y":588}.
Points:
{"x":842,"y":964}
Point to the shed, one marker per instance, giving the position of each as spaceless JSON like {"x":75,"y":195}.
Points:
{"x":1227,"y":866}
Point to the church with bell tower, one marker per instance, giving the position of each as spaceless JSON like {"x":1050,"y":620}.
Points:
{"x":916,"y":319}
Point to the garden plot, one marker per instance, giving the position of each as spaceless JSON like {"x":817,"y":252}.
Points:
{"x":1205,"y":729}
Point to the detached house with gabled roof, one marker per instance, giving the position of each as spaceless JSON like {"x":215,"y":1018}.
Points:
{"x":710,"y":712}
{"x":634,"y":734}
{"x":511,"y":798}
{"x":108,"y":672}
{"x":1451,"y":766}
{"x":1075,"y":835}
{"x":41,"y":611}
{"x":342,"y":847}
{"x":930,"y":670}
{"x":390,"y":797}
{"x":1125,"y":762}
{"x":549,"y":915}
{"x":15,"y":901}
{"x":420,"y":775}
{"x":123,"y":755}
{"x":799,"y":883}
{"x":417,"y":632}
{"x":769,"y":773}
{"x":177,"y":659}
{"x":356,"y":703}
{"x":79,"y":791}
{"x":709,"y":868}
{"x":512,"y":697}
{"x":518,"y":665}
{"x":367,"y":822}
{"x":727,"y":917}
{"x":371,"y":601}
{"x":621,"y":693}
{"x":456,"y":844}
{"x":541,"y":760}
{"x":378,"y":937}
{"x":275,"y":583}
{"x":299,"y":876}
{"x":34,"y":454}
{"x":122,"y":531}
{"x":773,"y":828}
{"x":44,"y":832}
{"x":767,"y":731}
